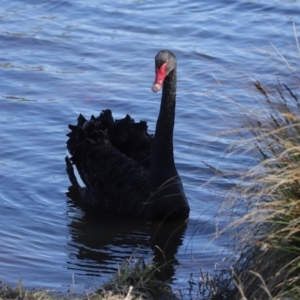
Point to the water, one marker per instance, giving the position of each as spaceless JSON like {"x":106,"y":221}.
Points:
{"x":61,"y":58}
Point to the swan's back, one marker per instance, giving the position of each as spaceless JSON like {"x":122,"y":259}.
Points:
{"x":128,"y":136}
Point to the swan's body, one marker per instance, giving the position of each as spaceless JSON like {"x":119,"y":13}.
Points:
{"x":125,"y":169}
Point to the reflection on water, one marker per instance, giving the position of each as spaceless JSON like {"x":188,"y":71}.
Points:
{"x":166,"y":238}
{"x":101,"y":238}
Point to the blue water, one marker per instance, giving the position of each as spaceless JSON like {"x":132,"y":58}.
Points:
{"x":62,"y":58}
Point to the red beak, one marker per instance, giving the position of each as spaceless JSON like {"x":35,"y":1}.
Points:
{"x":159,"y":78}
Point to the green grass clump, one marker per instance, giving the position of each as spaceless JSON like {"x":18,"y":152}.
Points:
{"x":268,"y":241}
{"x":208,"y":286}
{"x":138,"y":279}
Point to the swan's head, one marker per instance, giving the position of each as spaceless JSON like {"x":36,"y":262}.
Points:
{"x":165,"y":62}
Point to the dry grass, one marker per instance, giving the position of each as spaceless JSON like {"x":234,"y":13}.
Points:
{"x":268,"y":240}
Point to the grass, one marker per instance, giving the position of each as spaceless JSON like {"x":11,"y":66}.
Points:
{"x":268,"y":240}
{"x":139,"y":280}
{"x":134,"y":279}
{"x":208,"y":287}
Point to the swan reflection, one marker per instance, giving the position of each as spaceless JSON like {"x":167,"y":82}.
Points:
{"x":100,"y":240}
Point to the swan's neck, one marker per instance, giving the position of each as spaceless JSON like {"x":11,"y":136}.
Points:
{"x":162,"y":158}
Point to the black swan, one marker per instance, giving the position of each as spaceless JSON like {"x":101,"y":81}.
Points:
{"x":125,"y":169}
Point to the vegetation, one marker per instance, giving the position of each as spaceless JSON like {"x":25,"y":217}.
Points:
{"x":268,"y":241}
{"x":139,"y":280}
{"x":134,"y":280}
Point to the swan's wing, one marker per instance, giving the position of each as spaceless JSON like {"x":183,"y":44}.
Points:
{"x":129,"y":137}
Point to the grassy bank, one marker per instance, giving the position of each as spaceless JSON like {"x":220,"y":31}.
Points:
{"x":134,"y":279}
{"x":268,"y":230}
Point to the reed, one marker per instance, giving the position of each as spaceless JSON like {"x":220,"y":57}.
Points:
{"x":268,"y":238}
